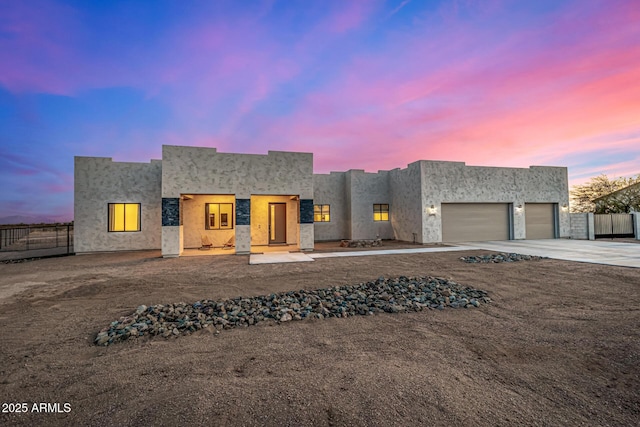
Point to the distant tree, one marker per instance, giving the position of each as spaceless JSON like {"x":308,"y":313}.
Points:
{"x":583,"y":196}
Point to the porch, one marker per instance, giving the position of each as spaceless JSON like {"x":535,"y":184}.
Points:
{"x":210,"y":224}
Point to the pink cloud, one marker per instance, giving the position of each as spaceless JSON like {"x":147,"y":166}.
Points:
{"x":35,"y":49}
{"x":548,"y":101}
{"x":350,"y":15}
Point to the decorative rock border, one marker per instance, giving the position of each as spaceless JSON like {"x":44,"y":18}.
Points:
{"x":19,"y":260}
{"x":401,"y":294}
{"x":501,"y":257}
{"x":361,"y":243}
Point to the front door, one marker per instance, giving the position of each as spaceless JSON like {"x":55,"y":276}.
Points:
{"x":277,"y":223}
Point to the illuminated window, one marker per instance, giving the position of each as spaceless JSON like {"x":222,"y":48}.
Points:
{"x":321,"y":213}
{"x":381,"y":212}
{"x":124,"y":216}
{"x":218,"y":216}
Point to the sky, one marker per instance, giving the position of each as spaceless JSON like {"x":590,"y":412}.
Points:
{"x":362,"y":84}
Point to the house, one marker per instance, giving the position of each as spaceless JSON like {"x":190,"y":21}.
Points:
{"x":276,"y":199}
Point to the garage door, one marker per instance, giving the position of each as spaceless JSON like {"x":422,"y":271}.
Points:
{"x":469,"y":222}
{"x":540,"y":222}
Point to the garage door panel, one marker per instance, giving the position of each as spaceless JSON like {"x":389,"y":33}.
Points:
{"x":468,"y":222}
{"x":540,"y":220}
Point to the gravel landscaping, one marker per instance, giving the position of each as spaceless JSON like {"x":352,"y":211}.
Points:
{"x":501,"y":257}
{"x":401,"y":294}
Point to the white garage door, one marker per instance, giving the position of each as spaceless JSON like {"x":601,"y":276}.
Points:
{"x":540,"y":222}
{"x":469,"y":222}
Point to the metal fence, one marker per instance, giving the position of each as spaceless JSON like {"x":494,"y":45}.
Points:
{"x":37,"y":237}
{"x":613,"y":225}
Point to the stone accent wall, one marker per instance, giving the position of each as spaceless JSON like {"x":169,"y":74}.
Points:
{"x":170,"y":212}
{"x":306,"y":211}
{"x":243,"y":211}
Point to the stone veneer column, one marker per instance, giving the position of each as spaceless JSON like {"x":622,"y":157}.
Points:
{"x":243,"y":226}
{"x":172,"y":243}
{"x":306,"y":225}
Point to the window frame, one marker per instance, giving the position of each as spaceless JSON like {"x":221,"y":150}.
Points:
{"x":378,"y":209}
{"x":124,"y":223}
{"x":322,"y":212}
{"x":208,"y":213}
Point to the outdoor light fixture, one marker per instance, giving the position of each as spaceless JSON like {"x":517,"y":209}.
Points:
{"x":519,"y":209}
{"x":432,"y":210}
{"x":565,"y":207}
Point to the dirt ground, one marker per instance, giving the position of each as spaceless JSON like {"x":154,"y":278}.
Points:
{"x":559,"y":345}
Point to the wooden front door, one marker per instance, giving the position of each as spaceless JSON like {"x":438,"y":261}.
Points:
{"x":277,"y":223}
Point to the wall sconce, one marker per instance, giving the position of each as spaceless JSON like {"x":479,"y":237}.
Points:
{"x":432,"y":210}
{"x":519,"y":209}
{"x":565,"y":207}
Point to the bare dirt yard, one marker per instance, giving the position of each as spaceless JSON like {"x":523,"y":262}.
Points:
{"x":558,"y":345}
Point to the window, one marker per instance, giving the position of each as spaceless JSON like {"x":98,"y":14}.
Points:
{"x":124,"y":216}
{"x":381,"y":212}
{"x":321,"y":213}
{"x":218,"y":216}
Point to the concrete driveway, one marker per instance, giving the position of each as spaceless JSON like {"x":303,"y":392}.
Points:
{"x":592,"y":251}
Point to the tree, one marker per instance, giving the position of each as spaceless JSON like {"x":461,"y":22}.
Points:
{"x":583,"y":196}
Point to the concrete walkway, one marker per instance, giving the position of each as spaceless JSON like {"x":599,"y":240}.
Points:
{"x":591,"y":251}
{"x":278,"y":257}
{"x":389,"y":251}
{"x":595,"y":252}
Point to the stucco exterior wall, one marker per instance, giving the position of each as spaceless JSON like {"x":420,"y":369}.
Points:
{"x":454,"y":182}
{"x":260,"y":219}
{"x":99,"y":181}
{"x":194,"y":212}
{"x":549,"y":184}
{"x":368,"y":189}
{"x":329,"y":190}
{"x":348,"y":218}
{"x":406,"y":201}
{"x":172,"y":241}
{"x":306,"y":237}
{"x":243,"y":239}
{"x":197,"y":170}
